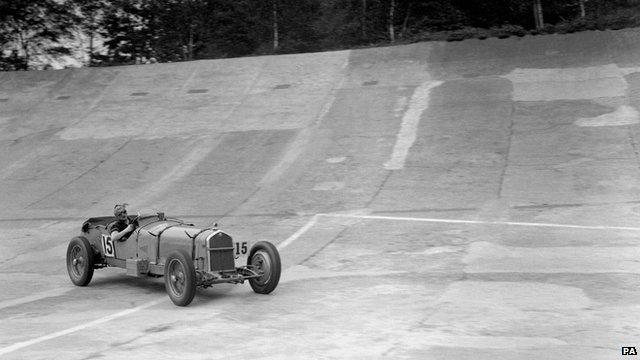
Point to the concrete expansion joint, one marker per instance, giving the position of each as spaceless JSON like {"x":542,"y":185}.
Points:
{"x":507,"y":151}
{"x":634,"y":145}
{"x":379,"y":188}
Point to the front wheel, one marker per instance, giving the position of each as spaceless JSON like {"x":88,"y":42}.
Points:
{"x":80,"y":261}
{"x":265,"y":258}
{"x":180,"y":278}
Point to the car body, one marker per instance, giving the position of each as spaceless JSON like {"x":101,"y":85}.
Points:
{"x":186,"y":255}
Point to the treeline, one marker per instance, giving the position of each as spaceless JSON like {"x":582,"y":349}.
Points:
{"x":130,"y":31}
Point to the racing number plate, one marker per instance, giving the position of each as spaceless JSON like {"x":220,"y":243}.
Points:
{"x":107,"y":246}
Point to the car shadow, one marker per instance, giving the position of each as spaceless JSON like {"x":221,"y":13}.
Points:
{"x":151,"y":285}
{"x":146,"y":284}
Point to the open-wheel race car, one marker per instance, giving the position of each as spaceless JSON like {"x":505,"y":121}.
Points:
{"x":187,"y":256}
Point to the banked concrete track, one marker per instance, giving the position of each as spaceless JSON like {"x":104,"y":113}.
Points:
{"x":472,"y":200}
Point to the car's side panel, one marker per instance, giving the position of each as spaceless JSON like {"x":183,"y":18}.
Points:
{"x":150,"y":240}
{"x":147,"y":245}
{"x":176,"y":238}
{"x":164,"y":237}
{"x":127,"y":249}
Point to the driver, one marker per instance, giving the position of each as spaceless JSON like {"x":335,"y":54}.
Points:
{"x":122,"y":228}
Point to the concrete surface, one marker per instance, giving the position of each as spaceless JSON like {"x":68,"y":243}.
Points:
{"x":471,"y":200}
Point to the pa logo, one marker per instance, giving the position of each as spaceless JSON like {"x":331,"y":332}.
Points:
{"x":629,"y":350}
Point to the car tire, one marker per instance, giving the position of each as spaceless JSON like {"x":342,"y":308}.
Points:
{"x":180,"y":278}
{"x":80,"y":261}
{"x":265,"y":257}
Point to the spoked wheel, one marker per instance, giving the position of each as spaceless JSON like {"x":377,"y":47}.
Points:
{"x":180,"y":278}
{"x":265,"y":258}
{"x":80,"y":261}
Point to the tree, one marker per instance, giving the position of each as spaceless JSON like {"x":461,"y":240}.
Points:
{"x":289,"y":25}
{"x":33,"y":27}
{"x":363,"y":19}
{"x":391,"y":20}
{"x":177,"y":30}
{"x":405,"y":22}
{"x":537,"y":14}
{"x":276,"y":36}
{"x":230,"y":28}
{"x":126,"y":29}
{"x":91,"y":14}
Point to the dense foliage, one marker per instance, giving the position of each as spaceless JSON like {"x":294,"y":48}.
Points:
{"x":29,"y":27}
{"x":175,"y":30}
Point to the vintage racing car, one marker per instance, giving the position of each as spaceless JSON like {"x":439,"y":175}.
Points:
{"x":187,"y":256}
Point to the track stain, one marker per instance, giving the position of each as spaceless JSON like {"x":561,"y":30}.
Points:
{"x":157,"y":329}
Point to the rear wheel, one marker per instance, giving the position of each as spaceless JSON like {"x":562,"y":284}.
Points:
{"x":265,"y":258}
{"x":80,"y":261}
{"x":180,"y":278}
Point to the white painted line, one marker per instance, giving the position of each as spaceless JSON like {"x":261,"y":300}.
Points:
{"x":407,"y":134}
{"x":68,"y":331}
{"x":481,"y":222}
{"x":300,"y":232}
{"x":314,"y":219}
{"x":34,"y":297}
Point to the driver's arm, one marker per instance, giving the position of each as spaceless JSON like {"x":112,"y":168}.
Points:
{"x":117,"y":235}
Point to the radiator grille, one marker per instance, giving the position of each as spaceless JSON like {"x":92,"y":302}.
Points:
{"x":221,"y":252}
